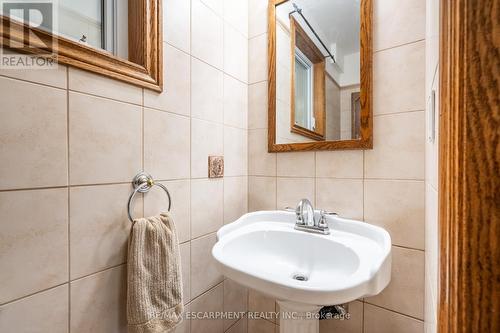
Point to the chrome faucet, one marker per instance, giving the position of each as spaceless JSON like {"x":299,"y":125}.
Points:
{"x":306,"y":221}
{"x":305,"y":213}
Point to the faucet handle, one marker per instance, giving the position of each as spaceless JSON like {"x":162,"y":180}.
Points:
{"x":299,"y":219}
{"x":322,"y":219}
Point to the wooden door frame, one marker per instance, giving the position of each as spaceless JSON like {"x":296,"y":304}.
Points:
{"x":469,"y":146}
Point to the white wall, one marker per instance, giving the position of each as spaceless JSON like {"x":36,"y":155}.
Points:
{"x":431,"y":166}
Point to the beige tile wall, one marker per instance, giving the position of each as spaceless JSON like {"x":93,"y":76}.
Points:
{"x":71,"y":141}
{"x":383,"y":186}
{"x":68,"y":249}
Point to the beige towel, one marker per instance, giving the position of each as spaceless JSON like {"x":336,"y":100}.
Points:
{"x":154,"y":286}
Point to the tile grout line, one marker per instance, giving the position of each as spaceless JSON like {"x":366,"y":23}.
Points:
{"x":398,"y":46}
{"x":399,"y":313}
{"x":223,"y":128}
{"x":204,"y":178}
{"x":190,"y":155}
{"x":17,"y":299}
{"x":143,"y":144}
{"x":69,"y":197}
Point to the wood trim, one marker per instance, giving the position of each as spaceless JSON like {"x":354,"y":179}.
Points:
{"x":366,"y":54}
{"x":300,"y":39}
{"x":469,"y":185}
{"x":146,"y":69}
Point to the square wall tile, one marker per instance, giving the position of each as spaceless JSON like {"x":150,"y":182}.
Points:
{"x":206,"y":34}
{"x":102,"y":297}
{"x":105,"y":140}
{"x":47,"y":311}
{"x":94,"y":84}
{"x":235,"y":102}
{"x":235,"y":300}
{"x":207,"y":92}
{"x":378,"y":320}
{"x":398,"y":207}
{"x":99,"y":227}
{"x":261,"y":193}
{"x":156,"y":202}
{"x":260,"y":162}
{"x":397,"y":22}
{"x":33,"y":136}
{"x":342,"y":196}
{"x":259,"y":302}
{"x":177,"y":23}
{"x":235,"y":152}
{"x":235,"y":198}
{"x":185,"y":253}
{"x":34,"y":238}
{"x":217,"y":6}
{"x":261,"y":326}
{"x":405,"y":292}
{"x":399,"y":79}
{"x":185,"y":325}
{"x":235,"y":53}
{"x":291,"y":190}
{"x":398,"y":147}
{"x":257,"y":59}
{"x":176,"y":95}
{"x":207,"y":139}
{"x":236,"y":14}
{"x":257,"y":18}
{"x":55,"y":78}
{"x":339,"y":164}
{"x":296,"y":164}
{"x":352,"y":325}
{"x":167,"y":146}
{"x":206,"y":206}
{"x":257,"y":105}
{"x":240,"y":327}
{"x":212,"y":301}
{"x":204,"y":274}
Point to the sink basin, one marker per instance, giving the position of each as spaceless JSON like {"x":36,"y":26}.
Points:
{"x":303,"y":270}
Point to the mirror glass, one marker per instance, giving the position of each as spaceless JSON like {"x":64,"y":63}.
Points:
{"x":317,"y":70}
{"x":102,"y":24}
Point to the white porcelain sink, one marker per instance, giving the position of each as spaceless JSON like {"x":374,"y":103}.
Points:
{"x":263,"y":251}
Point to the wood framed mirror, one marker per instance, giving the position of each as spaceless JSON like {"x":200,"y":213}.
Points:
{"x":320,"y":75}
{"x":115,"y":38}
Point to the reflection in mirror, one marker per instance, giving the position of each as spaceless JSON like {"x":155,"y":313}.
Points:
{"x":102,"y":24}
{"x":317,"y":71}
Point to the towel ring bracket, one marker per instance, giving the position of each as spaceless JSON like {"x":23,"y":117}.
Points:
{"x":142,"y":183}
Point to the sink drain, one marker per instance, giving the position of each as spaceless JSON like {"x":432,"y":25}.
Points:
{"x":300,"y":277}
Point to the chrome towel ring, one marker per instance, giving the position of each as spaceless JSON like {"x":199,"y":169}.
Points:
{"x":142,"y":183}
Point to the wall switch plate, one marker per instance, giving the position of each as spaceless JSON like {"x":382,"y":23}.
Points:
{"x":215,"y":166}
{"x":431,"y":121}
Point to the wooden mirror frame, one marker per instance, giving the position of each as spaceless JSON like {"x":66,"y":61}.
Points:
{"x":144,"y":67}
{"x":366,"y":55}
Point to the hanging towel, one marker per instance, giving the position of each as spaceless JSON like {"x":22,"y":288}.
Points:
{"x":154,"y":283}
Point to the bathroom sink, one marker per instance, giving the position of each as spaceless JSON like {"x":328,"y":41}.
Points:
{"x":263,"y":251}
